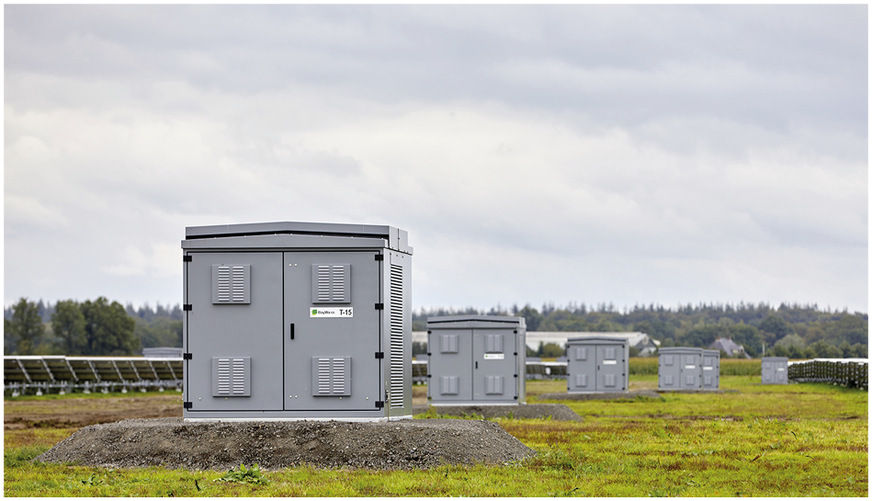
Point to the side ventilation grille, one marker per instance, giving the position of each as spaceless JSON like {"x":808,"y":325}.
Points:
{"x":397,"y":393}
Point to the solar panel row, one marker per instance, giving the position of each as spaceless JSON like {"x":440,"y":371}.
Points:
{"x":43,"y":373}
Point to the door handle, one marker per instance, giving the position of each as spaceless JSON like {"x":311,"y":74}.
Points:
{"x":292,"y":332}
{"x":476,"y":364}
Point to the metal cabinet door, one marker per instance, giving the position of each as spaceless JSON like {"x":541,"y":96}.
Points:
{"x":234,"y":331}
{"x":450,"y":367}
{"x":669,"y":371}
{"x":691,"y":373}
{"x":710,"y":371}
{"x":582,"y":361}
{"x":332,"y":331}
{"x":493,"y":365}
{"x":610,"y":368}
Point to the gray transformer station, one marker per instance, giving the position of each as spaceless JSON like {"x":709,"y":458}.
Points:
{"x":711,"y":369}
{"x":597,"y":364}
{"x":774,"y":370}
{"x":293,"y":320}
{"x":680,"y":369}
{"x":476,"y":360}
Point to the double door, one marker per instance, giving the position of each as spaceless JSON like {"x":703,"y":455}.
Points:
{"x":283,"y":331}
{"x":597,"y":368}
{"x":477,"y":365}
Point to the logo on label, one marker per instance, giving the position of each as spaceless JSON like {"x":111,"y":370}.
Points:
{"x":331,"y":312}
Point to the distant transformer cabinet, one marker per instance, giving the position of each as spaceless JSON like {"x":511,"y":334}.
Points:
{"x":293,"y":320}
{"x":680,"y":369}
{"x":597,"y":364}
{"x":476,"y":360}
{"x":774,"y":370}
{"x":711,"y":369}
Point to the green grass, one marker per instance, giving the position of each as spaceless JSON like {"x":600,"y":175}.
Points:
{"x":751,"y":440}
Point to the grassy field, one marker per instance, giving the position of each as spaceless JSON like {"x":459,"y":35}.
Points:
{"x":750,"y":440}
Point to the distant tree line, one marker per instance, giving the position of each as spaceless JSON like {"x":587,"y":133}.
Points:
{"x":792,"y":330}
{"x":97,"y":327}
{"x":101,"y":327}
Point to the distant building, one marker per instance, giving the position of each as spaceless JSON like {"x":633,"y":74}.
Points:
{"x":727,"y":346}
{"x":162,"y":352}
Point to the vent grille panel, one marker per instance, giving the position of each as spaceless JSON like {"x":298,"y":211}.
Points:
{"x":331,"y":376}
{"x":331,"y":283}
{"x":231,"y":376}
{"x":231,"y":284}
{"x":396,"y":393}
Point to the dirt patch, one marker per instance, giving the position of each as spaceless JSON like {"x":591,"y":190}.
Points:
{"x":558,"y":412}
{"x":175,"y":444}
{"x":78,"y":412}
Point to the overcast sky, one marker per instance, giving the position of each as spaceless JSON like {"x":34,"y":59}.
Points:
{"x":572,"y":153}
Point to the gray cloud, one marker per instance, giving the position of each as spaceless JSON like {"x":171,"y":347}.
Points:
{"x":534,"y":153}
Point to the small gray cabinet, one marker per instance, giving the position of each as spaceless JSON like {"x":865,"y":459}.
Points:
{"x":476,"y":359}
{"x":774,"y":370}
{"x":680,"y":368}
{"x":597,"y":364}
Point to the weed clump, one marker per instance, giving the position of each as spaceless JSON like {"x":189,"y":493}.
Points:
{"x":245,"y":476}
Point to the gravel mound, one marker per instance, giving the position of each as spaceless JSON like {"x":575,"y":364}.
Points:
{"x":557,"y":412}
{"x":626,"y":395}
{"x":175,"y":444}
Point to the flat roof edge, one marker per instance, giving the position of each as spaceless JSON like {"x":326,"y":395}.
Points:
{"x":294,"y":227}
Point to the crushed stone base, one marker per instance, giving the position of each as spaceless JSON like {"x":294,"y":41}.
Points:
{"x":172,"y":443}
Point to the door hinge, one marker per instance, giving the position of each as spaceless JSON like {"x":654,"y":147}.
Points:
{"x":379,"y":404}
{"x":188,"y":307}
{"x":379,"y":257}
{"x":379,"y":306}
{"x":379,"y":354}
{"x":188,"y":405}
{"x":187,"y":259}
{"x":187,"y":356}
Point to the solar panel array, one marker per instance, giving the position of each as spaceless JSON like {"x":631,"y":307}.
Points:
{"x":38,"y":374}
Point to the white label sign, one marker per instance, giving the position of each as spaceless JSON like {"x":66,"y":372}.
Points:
{"x":494,"y":356}
{"x":610,"y":362}
{"x":690,"y":367}
{"x":331,"y":312}
{"x":707,"y":368}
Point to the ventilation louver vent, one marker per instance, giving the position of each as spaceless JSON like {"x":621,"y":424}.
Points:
{"x":493,"y":343}
{"x":448,"y":385}
{"x":331,"y":376}
{"x":448,"y":343}
{"x":231,"y":377}
{"x":493,"y":385}
{"x":331,"y":283}
{"x":231,"y":284}
{"x":396,"y":393}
